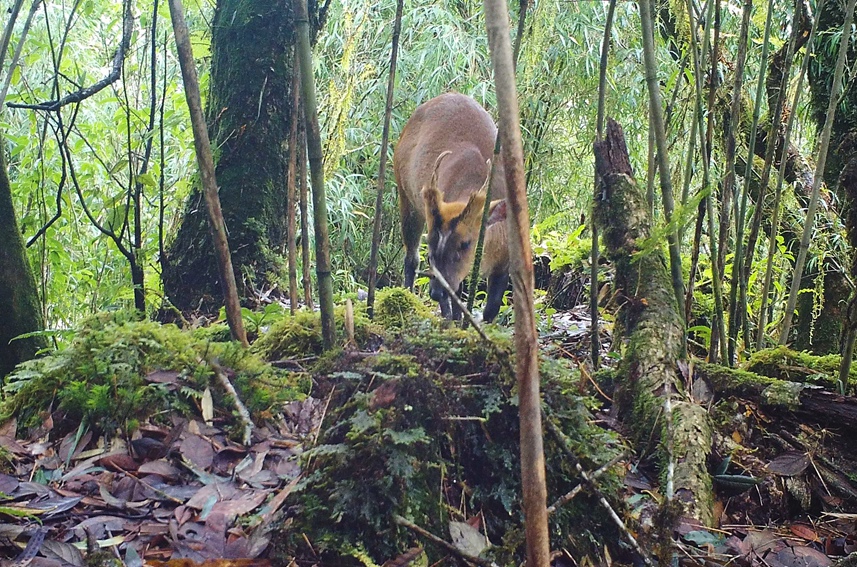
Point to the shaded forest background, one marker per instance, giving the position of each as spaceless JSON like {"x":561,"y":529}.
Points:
{"x":102,"y":185}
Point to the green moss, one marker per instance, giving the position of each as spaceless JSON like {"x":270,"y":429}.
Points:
{"x":429,"y":429}
{"x":398,"y":308}
{"x":786,"y":364}
{"x":299,"y":335}
{"x":100,"y":378}
{"x":784,"y":394}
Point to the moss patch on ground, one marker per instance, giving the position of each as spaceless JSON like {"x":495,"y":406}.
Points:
{"x":106,"y":377}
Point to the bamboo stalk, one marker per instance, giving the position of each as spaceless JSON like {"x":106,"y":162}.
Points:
{"x":739,"y":275}
{"x":775,"y":220}
{"x":809,"y":224}
{"x":206,"y":173}
{"x":521,"y":272}
{"x":382,"y":167}
{"x":729,"y":182}
{"x":291,"y":194}
{"x":319,"y":200}
{"x":657,"y":122}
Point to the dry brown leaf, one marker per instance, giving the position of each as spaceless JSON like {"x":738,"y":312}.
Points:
{"x":197,"y":450}
{"x":805,"y":532}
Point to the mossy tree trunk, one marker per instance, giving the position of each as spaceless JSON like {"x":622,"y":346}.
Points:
{"x":19,"y":300}
{"x":249,"y":113}
{"x":651,"y":320}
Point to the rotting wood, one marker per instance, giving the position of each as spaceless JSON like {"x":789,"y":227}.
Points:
{"x":654,"y":326}
{"x":807,"y":400}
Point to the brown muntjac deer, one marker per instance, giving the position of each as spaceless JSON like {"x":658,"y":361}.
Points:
{"x":442,"y":163}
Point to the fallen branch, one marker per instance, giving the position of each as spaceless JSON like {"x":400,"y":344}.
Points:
{"x":569,"y":496}
{"x":239,"y":405}
{"x":441,"y":542}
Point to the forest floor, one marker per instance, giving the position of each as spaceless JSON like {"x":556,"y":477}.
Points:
{"x":181,"y":490}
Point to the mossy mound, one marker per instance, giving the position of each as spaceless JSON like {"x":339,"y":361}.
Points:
{"x":398,"y":308}
{"x":786,"y":364}
{"x":299,"y":335}
{"x":101,"y":377}
{"x":429,"y":430}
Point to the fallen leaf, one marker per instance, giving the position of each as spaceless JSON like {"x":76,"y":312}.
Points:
{"x":161,"y":468}
{"x":802,"y":557}
{"x":65,"y":552}
{"x":163,"y":376}
{"x":197,"y":450}
{"x":404,"y":559}
{"x":791,"y":463}
{"x":805,"y":532}
{"x":207,"y":404}
{"x":468,"y":539}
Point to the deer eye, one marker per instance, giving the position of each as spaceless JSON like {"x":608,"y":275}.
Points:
{"x":464,"y":246}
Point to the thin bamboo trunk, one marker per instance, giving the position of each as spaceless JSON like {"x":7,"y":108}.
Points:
{"x":291,"y":194}
{"x":809,"y":224}
{"x":739,"y":276}
{"x":304,"y":205}
{"x":319,"y":201}
{"x":521,"y":272}
{"x":657,"y":122}
{"x":480,"y":242}
{"x":206,"y":173}
{"x":382,"y":168}
{"x":718,"y":334}
{"x":775,"y":220}
{"x":729,"y":182}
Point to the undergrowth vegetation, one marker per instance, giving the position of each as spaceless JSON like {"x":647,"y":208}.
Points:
{"x":421,"y":421}
{"x":428,"y":429}
{"x":111,"y":377}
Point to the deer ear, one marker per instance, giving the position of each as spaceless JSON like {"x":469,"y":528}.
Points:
{"x":477,"y":200}
{"x":431,"y":195}
{"x":432,"y":199}
{"x":496,"y":212}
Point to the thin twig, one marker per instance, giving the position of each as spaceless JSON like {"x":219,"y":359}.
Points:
{"x":590,"y":485}
{"x":569,"y":496}
{"x":239,"y":405}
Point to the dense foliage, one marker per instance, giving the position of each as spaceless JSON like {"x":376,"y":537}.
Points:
{"x":106,"y":179}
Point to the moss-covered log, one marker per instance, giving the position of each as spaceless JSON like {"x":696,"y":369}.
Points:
{"x":19,"y":300}
{"x":810,"y":402}
{"x":249,"y":115}
{"x":654,"y":329}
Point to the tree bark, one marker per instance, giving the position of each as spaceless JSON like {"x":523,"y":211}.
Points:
{"x":205,"y":159}
{"x":249,"y":114}
{"x":19,"y":298}
{"x":654,"y":326}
